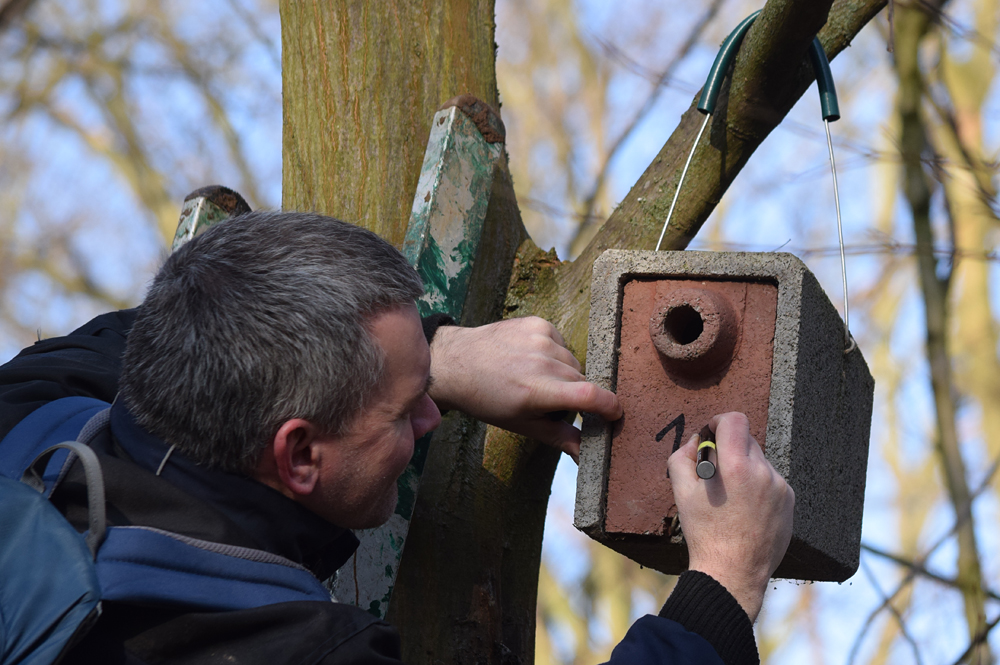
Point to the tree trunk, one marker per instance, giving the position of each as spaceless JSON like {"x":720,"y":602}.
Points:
{"x":912,"y":23}
{"x":361,"y":83}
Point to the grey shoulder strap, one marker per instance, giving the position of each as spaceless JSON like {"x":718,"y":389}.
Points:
{"x":95,"y":485}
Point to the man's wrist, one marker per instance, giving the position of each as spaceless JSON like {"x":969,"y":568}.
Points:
{"x":438,"y":328}
{"x":748,"y":590}
{"x":704,"y":606}
{"x":431,"y":324}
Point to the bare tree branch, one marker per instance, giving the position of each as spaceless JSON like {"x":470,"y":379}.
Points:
{"x":658,"y":85}
{"x":914,"y":567}
{"x":912,"y":26}
{"x":12,"y":10}
{"x":979,"y":640}
{"x":934,"y":10}
{"x":981,"y":172}
{"x":919,"y":568}
{"x":273,"y":50}
{"x":196,"y":73}
{"x":895,"y":613}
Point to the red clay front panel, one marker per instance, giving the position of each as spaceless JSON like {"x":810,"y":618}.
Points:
{"x":664,"y":408}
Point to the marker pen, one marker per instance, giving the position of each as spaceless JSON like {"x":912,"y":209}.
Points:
{"x":705,"y":468}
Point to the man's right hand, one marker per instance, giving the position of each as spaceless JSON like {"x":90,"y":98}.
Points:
{"x":737,"y":524}
{"x":514,"y":374}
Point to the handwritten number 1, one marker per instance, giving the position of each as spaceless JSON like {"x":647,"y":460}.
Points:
{"x":677,"y":424}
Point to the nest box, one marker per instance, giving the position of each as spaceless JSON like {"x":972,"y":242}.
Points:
{"x":683,"y":336}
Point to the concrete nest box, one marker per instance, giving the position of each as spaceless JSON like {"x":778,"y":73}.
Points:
{"x":683,"y":336}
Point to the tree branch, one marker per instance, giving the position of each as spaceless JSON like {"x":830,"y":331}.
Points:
{"x":960,"y":519}
{"x":918,"y":568}
{"x":977,"y":641}
{"x":895,"y":613}
{"x":12,"y":10}
{"x":587,"y":217}
{"x":912,"y":25}
{"x":743,"y":119}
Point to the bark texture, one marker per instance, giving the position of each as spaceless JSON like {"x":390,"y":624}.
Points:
{"x":361,"y":81}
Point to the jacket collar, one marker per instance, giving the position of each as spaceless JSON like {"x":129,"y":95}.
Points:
{"x":278,"y":524}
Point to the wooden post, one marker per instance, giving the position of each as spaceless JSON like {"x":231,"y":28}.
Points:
{"x":442,"y":242}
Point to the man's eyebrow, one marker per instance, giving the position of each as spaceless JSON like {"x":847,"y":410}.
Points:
{"x":419,"y":396}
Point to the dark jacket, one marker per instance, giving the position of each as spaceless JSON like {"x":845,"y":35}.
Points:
{"x":700,"y":623}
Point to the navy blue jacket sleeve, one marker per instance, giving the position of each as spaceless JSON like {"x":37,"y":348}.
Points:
{"x":663,"y":642}
{"x":701,"y":622}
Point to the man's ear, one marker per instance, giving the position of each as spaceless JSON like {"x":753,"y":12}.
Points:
{"x":296,"y":458}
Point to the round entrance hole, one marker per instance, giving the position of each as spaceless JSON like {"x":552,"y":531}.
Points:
{"x":683,"y":324}
{"x":694,"y":329}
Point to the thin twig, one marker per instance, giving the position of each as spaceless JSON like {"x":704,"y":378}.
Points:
{"x":658,"y":84}
{"x":892,"y":27}
{"x":940,"y":17}
{"x":886,"y":602}
{"x":911,"y":570}
{"x":979,"y":639}
{"x":973,"y":164}
{"x":895,"y":612}
{"x":251,"y":23}
{"x":920,"y":569}
{"x":11,"y":10}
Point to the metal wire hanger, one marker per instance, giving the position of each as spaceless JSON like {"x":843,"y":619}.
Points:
{"x":831,"y":113}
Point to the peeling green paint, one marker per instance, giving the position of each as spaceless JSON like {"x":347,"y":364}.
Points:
{"x":449,"y":209}
{"x":442,"y":241}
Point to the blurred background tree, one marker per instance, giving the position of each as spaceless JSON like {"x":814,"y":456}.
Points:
{"x":115,"y":110}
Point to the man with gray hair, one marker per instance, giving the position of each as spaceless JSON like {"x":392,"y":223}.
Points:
{"x":264,"y":400}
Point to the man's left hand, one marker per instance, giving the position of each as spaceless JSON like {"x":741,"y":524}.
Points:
{"x":517,"y":375}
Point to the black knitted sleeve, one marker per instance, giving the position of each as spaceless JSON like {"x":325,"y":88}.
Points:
{"x":703,"y":606}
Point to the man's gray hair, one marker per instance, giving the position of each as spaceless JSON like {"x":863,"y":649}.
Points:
{"x":261,"y":319}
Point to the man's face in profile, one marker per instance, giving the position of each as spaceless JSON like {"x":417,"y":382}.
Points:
{"x":359,"y":469}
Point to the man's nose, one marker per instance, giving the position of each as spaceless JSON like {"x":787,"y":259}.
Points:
{"x":427,"y":418}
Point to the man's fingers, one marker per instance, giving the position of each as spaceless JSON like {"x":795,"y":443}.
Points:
{"x":689,"y":449}
{"x":557,"y":336}
{"x":583,"y":396}
{"x":562,"y":354}
{"x":681,"y":464}
{"x":555,"y":433}
{"x":568,"y":441}
{"x":732,"y":433}
{"x":557,"y":350}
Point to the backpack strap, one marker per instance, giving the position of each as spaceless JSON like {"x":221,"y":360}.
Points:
{"x":136,"y":564}
{"x":57,"y":421}
{"x":96,"y":514}
{"x":94,"y":426}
